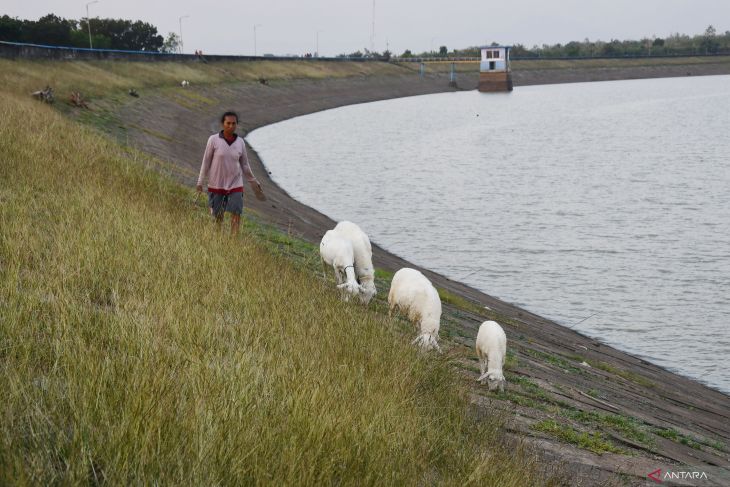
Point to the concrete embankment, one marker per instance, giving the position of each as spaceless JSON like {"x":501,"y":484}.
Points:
{"x":562,"y":71}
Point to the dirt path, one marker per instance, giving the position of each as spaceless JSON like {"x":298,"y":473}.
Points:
{"x":562,"y":381}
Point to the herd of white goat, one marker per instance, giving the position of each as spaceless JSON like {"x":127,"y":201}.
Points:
{"x":347,"y":249}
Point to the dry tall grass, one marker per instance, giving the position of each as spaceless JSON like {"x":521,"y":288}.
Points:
{"x":99,"y":78}
{"x":138,"y":346}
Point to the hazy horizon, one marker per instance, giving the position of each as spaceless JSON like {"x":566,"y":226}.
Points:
{"x":288,"y":27}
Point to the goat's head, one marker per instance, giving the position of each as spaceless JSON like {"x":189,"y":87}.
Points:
{"x":495,"y":380}
{"x":367,"y":290}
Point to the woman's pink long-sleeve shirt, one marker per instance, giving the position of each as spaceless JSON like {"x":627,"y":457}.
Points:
{"x":224,"y":165}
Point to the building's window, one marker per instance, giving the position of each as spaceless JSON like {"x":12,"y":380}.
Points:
{"x":495,"y":54}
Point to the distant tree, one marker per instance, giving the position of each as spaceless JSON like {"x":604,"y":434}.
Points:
{"x":572,"y":49}
{"x":11,"y":29}
{"x":49,"y":29}
{"x":407,"y":53}
{"x":145,"y":36}
{"x":356,"y":54}
{"x":472,"y":51}
{"x":370,"y":54}
{"x":709,"y":42}
{"x":612,"y":48}
{"x":106,"y":33}
{"x":127,"y":35}
{"x":518,"y":50}
{"x":80,"y":38}
{"x":171,"y":43}
{"x":387,"y":55}
{"x":443,"y":51}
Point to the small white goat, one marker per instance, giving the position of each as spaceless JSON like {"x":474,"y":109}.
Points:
{"x":363,"y":258}
{"x":185,"y":83}
{"x":491,"y":348}
{"x":412,"y":293}
{"x":337,"y":251}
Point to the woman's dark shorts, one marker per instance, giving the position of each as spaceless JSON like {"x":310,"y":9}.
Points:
{"x":232,"y":203}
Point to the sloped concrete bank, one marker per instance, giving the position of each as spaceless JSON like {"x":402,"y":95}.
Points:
{"x":577,"y":377}
{"x":577,"y":72}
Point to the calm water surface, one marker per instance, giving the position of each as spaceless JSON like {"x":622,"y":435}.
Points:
{"x":608,"y":198}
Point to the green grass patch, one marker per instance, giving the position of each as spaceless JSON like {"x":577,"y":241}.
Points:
{"x":631,"y":376}
{"x":626,"y":426}
{"x":521,"y":389}
{"x":383,"y":274}
{"x":595,"y":442}
{"x":692,"y":442}
{"x":511,"y":362}
{"x":460,"y":302}
{"x":594,"y":393}
{"x":555,"y":360}
{"x":522,"y":400}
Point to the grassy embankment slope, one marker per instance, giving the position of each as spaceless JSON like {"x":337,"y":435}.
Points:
{"x":137,"y":344}
{"x":100,"y":78}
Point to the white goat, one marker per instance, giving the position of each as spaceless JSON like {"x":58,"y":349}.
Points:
{"x":491,"y":348}
{"x":413,"y":293}
{"x":363,"y":258}
{"x":337,"y":251}
{"x":185,"y":83}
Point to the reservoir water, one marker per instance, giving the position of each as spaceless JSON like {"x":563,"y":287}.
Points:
{"x":608,"y":200}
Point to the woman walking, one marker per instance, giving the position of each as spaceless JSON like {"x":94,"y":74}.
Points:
{"x":224,"y":165}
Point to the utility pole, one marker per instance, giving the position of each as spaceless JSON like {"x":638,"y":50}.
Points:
{"x":181,"y":39}
{"x":88,"y":22}
{"x":372,"y":33}
{"x":254,"y":37}
{"x":316,"y":53}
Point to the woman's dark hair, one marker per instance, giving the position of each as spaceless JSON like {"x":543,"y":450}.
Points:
{"x":229,"y":114}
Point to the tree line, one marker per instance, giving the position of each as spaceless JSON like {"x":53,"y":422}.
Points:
{"x":709,"y":42}
{"x":142,"y":36}
{"x":105,"y":33}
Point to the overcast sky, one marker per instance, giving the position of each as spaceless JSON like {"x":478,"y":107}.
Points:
{"x":291,"y":26}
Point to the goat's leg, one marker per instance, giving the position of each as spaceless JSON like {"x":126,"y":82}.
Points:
{"x":338,"y":277}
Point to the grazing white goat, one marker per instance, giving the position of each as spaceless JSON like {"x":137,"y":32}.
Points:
{"x":363,"y":258}
{"x":491,"y":348}
{"x":185,"y":83}
{"x":413,"y":293}
{"x":336,"y":251}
